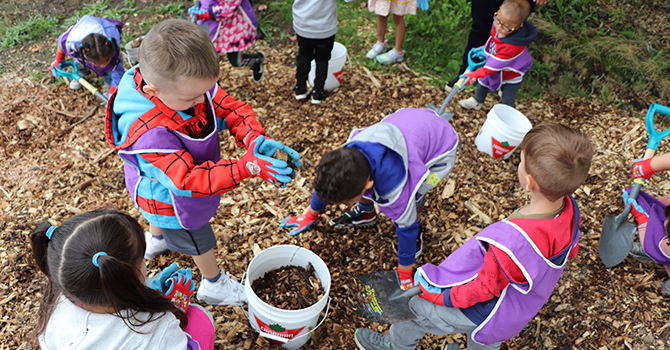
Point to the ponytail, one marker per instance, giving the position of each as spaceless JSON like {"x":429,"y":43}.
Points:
{"x":39,"y":241}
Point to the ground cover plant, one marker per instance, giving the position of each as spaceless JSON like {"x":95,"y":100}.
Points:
{"x":54,"y":166}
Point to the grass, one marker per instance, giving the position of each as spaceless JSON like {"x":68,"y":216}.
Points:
{"x":31,"y":29}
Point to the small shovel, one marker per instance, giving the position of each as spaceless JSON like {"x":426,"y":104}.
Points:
{"x":75,"y":76}
{"x":472,"y":65}
{"x":616,"y":238}
{"x":384,"y":301}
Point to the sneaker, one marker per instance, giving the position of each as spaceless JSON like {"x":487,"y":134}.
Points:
{"x":257,"y":67}
{"x":155,"y":246}
{"x":355,"y":217}
{"x":369,"y":340}
{"x":225,"y":291}
{"x":300,"y":93}
{"x":377,"y":49}
{"x":500,"y":93}
{"x":318,"y":97}
{"x":75,"y":85}
{"x":391,"y":57}
{"x":471,"y":103}
{"x":638,"y":253}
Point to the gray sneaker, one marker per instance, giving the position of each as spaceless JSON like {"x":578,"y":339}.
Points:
{"x":638,"y":253}
{"x":369,"y":340}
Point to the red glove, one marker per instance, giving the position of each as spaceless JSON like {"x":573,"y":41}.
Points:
{"x":180,"y":291}
{"x":642,"y":168}
{"x":300,"y":223}
{"x":253,"y":163}
{"x":473,"y":76}
{"x":56,"y":63}
{"x":406,"y":278}
{"x":435,"y":298}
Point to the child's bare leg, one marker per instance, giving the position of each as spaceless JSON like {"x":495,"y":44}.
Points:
{"x":399,"y":32}
{"x":382,"y":24}
{"x":207,"y":264}
{"x":155,"y":230}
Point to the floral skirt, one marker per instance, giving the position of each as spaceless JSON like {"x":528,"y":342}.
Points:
{"x":396,"y":7}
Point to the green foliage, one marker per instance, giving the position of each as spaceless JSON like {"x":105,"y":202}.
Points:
{"x":33,"y":28}
{"x":100,"y":8}
{"x":170,"y":9}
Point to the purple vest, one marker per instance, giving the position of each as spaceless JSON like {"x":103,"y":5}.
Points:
{"x":426,"y":142}
{"x":655,"y":227}
{"x":518,"y":303}
{"x":213,"y":24}
{"x":521,"y":63}
{"x":191,"y":212}
{"x":69,"y":41}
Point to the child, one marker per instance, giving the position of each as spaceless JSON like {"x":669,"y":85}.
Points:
{"x":164,"y":120}
{"x":652,"y":218}
{"x":94,"y":44}
{"x":496,"y":282}
{"x":232,"y":29}
{"x":393,"y":163}
{"x":382,"y":8}
{"x":507,"y":56}
{"x":315,"y":23}
{"x":95,"y":297}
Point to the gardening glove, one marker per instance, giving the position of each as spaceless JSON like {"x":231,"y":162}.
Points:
{"x":56,"y":63}
{"x":253,"y":163}
{"x":636,"y":209}
{"x":176,"y":285}
{"x":428,"y":291}
{"x":472,"y":76}
{"x":201,"y":13}
{"x":268,"y":147}
{"x":406,"y":278}
{"x":642,"y":168}
{"x":301,"y":222}
{"x":423,"y":4}
{"x":478,"y":53}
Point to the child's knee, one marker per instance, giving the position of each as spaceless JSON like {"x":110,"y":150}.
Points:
{"x":398,"y":19}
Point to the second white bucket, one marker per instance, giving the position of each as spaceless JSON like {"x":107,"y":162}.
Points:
{"x":502,"y":131}
{"x":288,"y":328}
{"x":337,"y":59}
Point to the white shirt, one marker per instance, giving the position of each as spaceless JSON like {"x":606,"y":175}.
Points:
{"x":71,"y":327}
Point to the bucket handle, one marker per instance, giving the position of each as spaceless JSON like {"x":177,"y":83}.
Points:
{"x":274,"y":337}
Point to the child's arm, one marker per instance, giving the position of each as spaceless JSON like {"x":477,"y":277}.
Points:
{"x":117,"y":73}
{"x":238,"y":116}
{"x":647,"y":167}
{"x":60,"y":55}
{"x":507,"y":51}
{"x":302,"y":222}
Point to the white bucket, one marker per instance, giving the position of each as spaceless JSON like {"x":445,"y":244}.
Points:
{"x":289,"y":328}
{"x":502,"y":131}
{"x":133,"y":53}
{"x":337,"y":59}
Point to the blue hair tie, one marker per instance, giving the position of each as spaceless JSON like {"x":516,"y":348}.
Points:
{"x":96,"y":256}
{"x":50,"y":231}
{"x":110,"y":39}
{"x":81,"y":45}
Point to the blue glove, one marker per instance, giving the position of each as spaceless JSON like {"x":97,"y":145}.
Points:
{"x":163,"y":283}
{"x":423,"y":4}
{"x":176,"y":285}
{"x":194,"y":11}
{"x":478,"y":53}
{"x":253,"y":163}
{"x":418,"y":279}
{"x":636,"y":205}
{"x":268,"y":147}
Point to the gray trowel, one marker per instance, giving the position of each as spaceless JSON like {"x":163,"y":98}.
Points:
{"x":382,"y":300}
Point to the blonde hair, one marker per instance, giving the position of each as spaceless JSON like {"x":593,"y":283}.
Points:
{"x":557,"y":157}
{"x":175,"y":49}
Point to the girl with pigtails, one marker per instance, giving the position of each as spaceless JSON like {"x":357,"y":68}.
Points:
{"x":96,"y":298}
{"x":93,"y":43}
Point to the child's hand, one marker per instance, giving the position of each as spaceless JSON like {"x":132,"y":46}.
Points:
{"x":177,"y":285}
{"x":301,"y":222}
{"x":56,"y":63}
{"x":423,"y":4}
{"x":642,"y":168}
{"x":253,"y":163}
{"x":472,"y":77}
{"x":428,"y":291}
{"x":406,"y":278}
{"x":268,"y":147}
{"x":201,"y":13}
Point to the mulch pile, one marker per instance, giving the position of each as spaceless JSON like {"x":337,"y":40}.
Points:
{"x":53,"y":169}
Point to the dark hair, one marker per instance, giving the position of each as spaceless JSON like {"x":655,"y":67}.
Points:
{"x":520,"y":9}
{"x":96,"y":47}
{"x":66,"y":260}
{"x":557,"y":157}
{"x":341,"y":175}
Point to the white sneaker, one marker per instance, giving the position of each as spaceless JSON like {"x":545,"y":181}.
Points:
{"x":470,"y":103}
{"x":155,"y":246}
{"x":225,"y":291}
{"x":500,"y":93}
{"x":75,"y":85}
{"x":448,"y":88}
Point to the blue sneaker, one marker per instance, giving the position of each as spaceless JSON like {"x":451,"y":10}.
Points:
{"x":377,"y":49}
{"x":391,"y":57}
